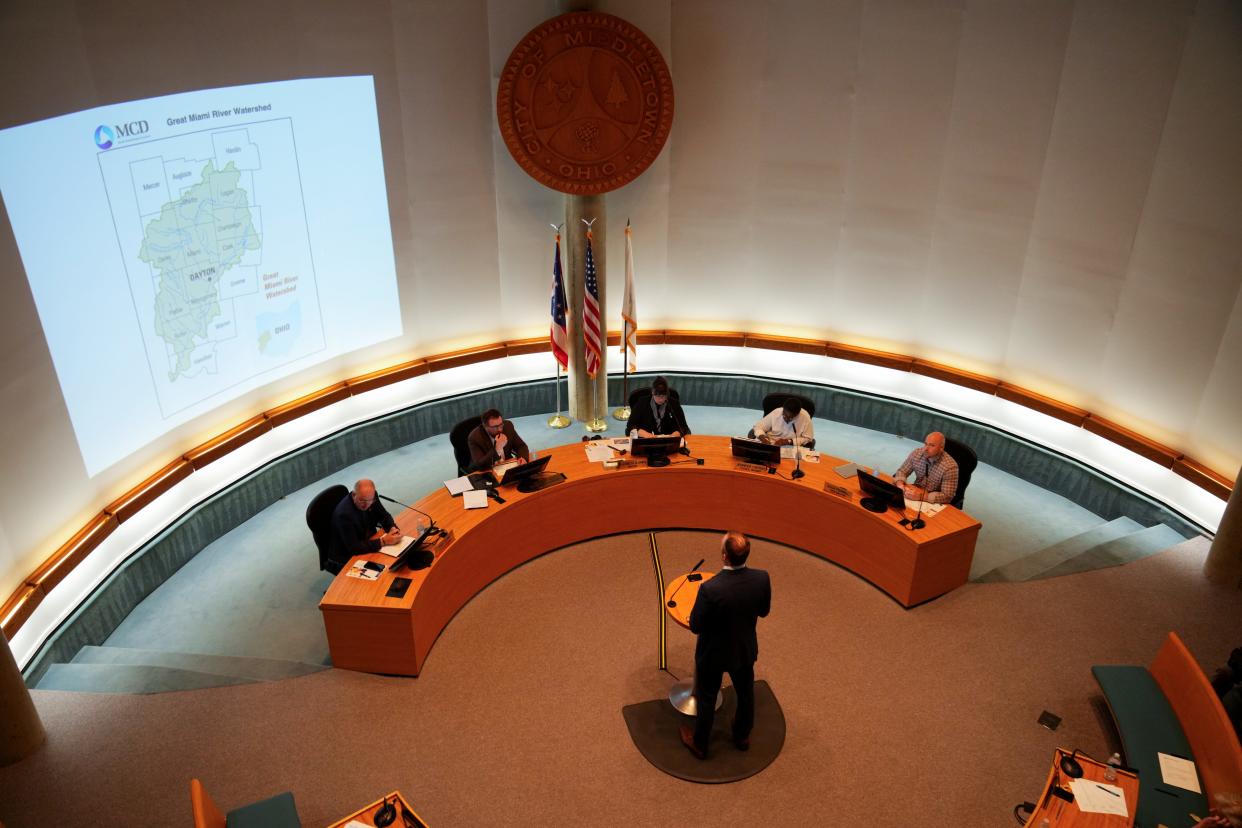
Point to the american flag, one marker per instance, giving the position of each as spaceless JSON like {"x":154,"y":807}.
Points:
{"x":590,"y":313}
{"x":560,"y":334}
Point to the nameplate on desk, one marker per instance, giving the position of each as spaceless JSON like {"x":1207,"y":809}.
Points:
{"x":839,"y":491}
{"x":750,"y":467}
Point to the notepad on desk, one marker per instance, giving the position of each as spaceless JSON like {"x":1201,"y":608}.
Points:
{"x":397,"y":548}
{"x":475,"y":499}
{"x":1093,"y":797}
{"x":458,"y":485}
{"x":1179,"y":772}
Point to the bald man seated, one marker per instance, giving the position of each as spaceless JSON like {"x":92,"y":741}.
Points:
{"x":935,"y":472}
{"x":361,"y":525}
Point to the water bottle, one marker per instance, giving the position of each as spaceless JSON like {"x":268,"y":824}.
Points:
{"x":634,"y":434}
{"x":1110,"y":772}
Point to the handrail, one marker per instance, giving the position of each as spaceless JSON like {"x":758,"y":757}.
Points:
{"x":35,"y":587}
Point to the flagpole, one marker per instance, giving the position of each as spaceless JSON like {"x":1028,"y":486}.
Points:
{"x":622,"y":412}
{"x":597,"y":423}
{"x":558,"y":420}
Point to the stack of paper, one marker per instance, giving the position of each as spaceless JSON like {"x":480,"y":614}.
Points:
{"x":1098,"y":797}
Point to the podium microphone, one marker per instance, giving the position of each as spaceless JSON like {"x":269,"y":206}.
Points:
{"x":673,"y":603}
{"x":431,"y":521}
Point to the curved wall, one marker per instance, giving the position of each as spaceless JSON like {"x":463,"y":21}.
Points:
{"x":1042,"y":192}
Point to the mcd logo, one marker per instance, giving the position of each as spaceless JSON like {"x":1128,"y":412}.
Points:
{"x":132,"y":129}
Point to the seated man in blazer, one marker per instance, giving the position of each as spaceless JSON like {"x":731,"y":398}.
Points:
{"x":658,"y":416}
{"x":361,"y":524}
{"x":724,"y":618}
{"x":493,"y":441}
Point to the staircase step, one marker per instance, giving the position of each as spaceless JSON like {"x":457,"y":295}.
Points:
{"x":1123,"y":550}
{"x":256,"y":669}
{"x":1037,"y":563}
{"x":129,"y":678}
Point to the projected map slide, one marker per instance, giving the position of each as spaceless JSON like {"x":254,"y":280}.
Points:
{"x":184,"y":250}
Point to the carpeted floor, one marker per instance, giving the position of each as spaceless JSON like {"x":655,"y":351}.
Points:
{"x":895,"y":717}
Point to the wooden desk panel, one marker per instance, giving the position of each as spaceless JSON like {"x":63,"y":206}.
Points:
{"x":1061,"y":814}
{"x":484,"y":544}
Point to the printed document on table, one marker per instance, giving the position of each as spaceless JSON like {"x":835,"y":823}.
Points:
{"x":928,"y":509}
{"x":790,"y":453}
{"x":1178,"y":771}
{"x":397,"y":548}
{"x":458,"y":485}
{"x":1098,"y":797}
{"x":598,"y":451}
{"x":475,"y":499}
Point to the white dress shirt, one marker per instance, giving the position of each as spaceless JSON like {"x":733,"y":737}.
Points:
{"x":775,"y":427}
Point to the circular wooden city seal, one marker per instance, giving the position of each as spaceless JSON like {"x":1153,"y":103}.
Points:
{"x":585,"y":103}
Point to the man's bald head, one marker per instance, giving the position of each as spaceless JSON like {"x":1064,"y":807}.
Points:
{"x":934,"y":444}
{"x":364,"y":494}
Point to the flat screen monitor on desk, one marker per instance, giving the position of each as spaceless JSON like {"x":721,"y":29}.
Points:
{"x":530,"y":477}
{"x":880,"y":494}
{"x":753,"y":451}
{"x":655,"y":449}
{"x":415,"y":556}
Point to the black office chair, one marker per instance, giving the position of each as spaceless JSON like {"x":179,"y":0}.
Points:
{"x":774,"y":401}
{"x":967,"y":462}
{"x":461,"y":449}
{"x":319,"y":521}
{"x":642,"y":396}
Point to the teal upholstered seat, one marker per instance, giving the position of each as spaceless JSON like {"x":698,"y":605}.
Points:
{"x":276,"y":812}
{"x":1148,"y":726}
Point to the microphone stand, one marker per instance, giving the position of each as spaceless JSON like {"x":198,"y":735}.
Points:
{"x":431,"y":522}
{"x":797,"y":472}
{"x":918,"y":522}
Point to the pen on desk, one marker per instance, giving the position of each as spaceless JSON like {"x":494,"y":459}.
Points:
{"x":1166,"y":792}
{"x":1108,"y":790}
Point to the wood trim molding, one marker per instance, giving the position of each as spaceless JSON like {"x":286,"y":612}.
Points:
{"x":18,"y":608}
{"x":1132,"y":440}
{"x":128,"y":504}
{"x":52,"y":571}
{"x":1044,"y":405}
{"x":293,"y":409}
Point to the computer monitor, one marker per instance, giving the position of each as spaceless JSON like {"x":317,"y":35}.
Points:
{"x":655,"y":449}
{"x":530,"y":477}
{"x":414,"y":556}
{"x":879,"y":493}
{"x":769,"y":454}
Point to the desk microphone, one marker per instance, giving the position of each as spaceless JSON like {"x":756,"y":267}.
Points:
{"x":431,"y":521}
{"x":673,"y":603}
{"x":797,"y":472}
{"x":918,"y":522}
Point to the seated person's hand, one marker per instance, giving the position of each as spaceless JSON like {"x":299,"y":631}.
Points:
{"x":392,"y":536}
{"x":763,"y":438}
{"x":673,"y":434}
{"x":914,"y":492}
{"x":642,"y":432}
{"x":1213,"y":821}
{"x":521,"y":460}
{"x":501,"y":442}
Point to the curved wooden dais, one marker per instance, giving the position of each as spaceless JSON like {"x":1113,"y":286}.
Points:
{"x":370,"y":632}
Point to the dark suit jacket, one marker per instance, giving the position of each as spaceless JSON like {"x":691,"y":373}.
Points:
{"x":641,"y":416}
{"x":352,"y":529}
{"x":725,"y":614}
{"x":483,"y":452}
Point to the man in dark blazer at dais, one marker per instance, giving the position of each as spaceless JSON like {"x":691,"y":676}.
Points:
{"x":724,"y":617}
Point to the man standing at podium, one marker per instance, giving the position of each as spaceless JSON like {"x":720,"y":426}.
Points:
{"x":724,"y":618}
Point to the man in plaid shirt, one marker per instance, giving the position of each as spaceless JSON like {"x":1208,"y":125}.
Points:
{"x":935,"y":472}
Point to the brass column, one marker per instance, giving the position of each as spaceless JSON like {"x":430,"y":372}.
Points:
{"x":1224,"y":561}
{"x":21,"y":732}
